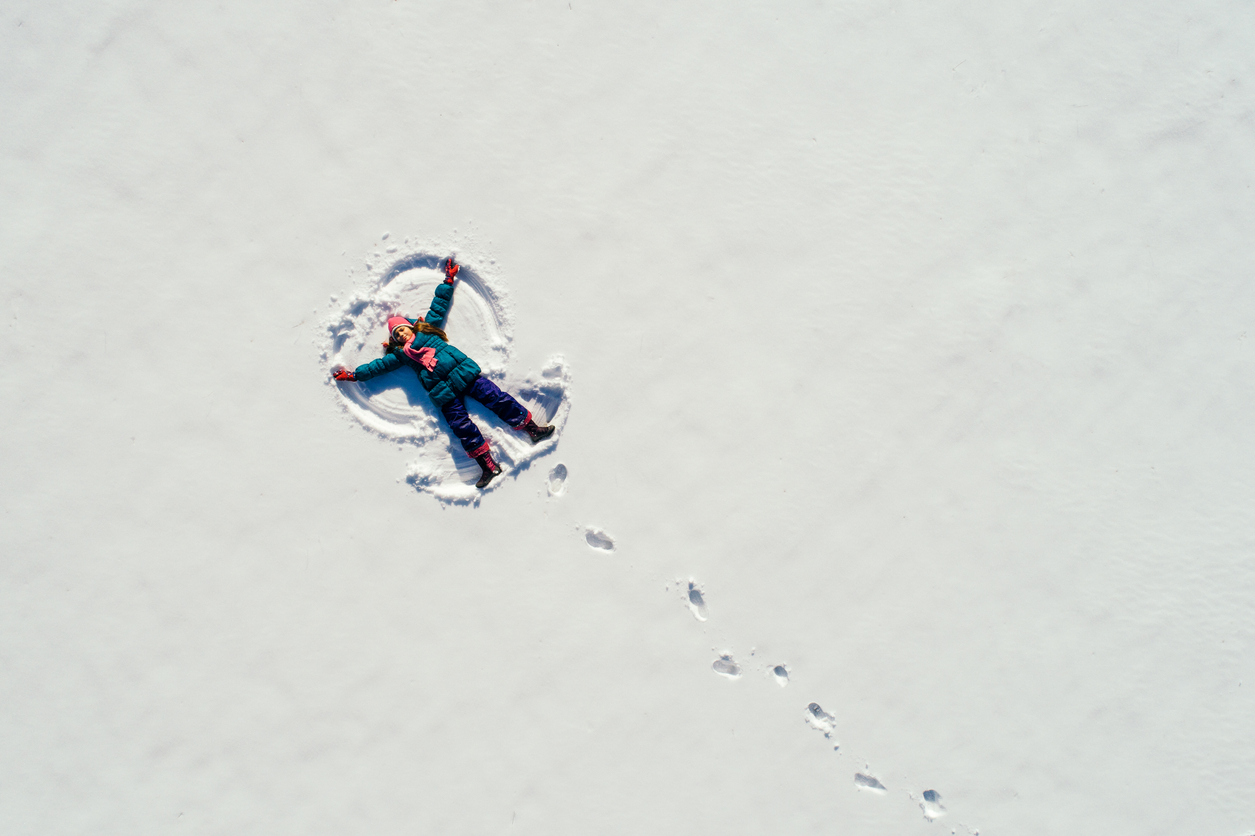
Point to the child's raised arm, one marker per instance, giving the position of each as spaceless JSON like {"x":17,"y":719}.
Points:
{"x":444,"y":295}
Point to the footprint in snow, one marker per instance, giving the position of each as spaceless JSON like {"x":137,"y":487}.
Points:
{"x":781,"y":673}
{"x":866,"y":782}
{"x":725,"y":665}
{"x":557,"y":480}
{"x":696,"y":601}
{"x":598,"y":539}
{"x":821,"y":721}
{"x":930,"y":803}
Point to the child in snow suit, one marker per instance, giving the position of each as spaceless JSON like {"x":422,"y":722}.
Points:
{"x":449,"y":376}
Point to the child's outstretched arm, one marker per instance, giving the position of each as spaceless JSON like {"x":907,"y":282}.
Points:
{"x":444,"y":295}
{"x":366,"y":371}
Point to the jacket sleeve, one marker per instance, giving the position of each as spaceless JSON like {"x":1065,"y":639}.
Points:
{"x":440,"y":305}
{"x":374,"y":368}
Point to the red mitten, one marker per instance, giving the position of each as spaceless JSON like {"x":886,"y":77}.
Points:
{"x":343,"y":374}
{"x":450,"y":270}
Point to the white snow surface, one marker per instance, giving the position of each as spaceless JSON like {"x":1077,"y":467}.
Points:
{"x":917,"y":339}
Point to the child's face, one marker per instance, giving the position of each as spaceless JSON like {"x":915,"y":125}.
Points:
{"x":403,"y":334}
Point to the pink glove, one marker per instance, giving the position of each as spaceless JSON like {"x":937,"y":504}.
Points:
{"x":450,"y":270}
{"x":343,"y":374}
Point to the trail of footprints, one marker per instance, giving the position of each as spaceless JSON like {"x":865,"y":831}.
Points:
{"x":597,"y":538}
{"x":726,"y":666}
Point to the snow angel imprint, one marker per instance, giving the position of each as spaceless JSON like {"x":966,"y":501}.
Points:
{"x":449,"y":377}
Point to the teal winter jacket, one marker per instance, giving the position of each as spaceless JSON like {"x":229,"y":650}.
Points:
{"x":454,"y":371}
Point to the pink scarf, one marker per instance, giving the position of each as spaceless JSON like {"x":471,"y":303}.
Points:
{"x":425,"y":356}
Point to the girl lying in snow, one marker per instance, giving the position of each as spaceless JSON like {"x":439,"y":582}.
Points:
{"x":449,"y":376}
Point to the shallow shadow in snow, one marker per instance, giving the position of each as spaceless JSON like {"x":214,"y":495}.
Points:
{"x":404,"y":380}
{"x":415,"y":262}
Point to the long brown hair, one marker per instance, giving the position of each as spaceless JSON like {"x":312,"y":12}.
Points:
{"x":419,"y":327}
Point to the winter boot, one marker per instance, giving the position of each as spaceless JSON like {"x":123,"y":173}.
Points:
{"x":537,"y":432}
{"x":490,"y":469}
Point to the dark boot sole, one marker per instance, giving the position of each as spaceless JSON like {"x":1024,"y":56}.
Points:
{"x":540,"y":436}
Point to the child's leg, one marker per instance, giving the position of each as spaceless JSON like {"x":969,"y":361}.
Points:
{"x":464,"y":428}
{"x":505,"y":406}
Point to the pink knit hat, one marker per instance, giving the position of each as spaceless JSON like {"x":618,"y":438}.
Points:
{"x":394,"y":321}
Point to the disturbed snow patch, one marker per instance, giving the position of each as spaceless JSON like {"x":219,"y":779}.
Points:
{"x":397,"y":408}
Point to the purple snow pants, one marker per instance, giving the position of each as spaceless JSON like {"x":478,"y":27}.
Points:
{"x":491,"y":396}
